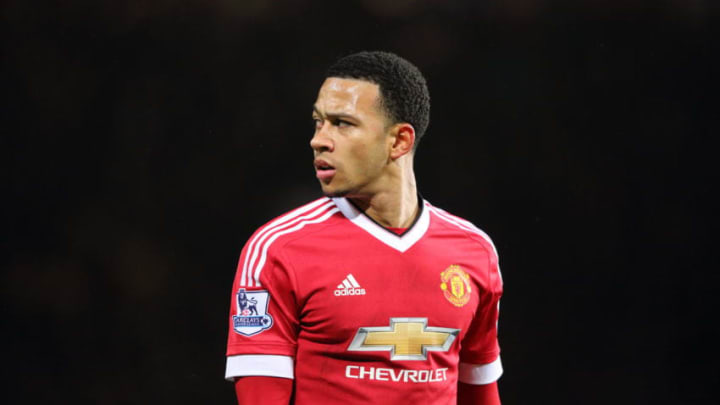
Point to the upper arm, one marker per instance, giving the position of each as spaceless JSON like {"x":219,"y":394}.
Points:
{"x":263,"y":318}
{"x":480,"y":353}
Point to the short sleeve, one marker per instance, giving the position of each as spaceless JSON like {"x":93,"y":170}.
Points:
{"x":480,"y":353}
{"x":263,"y":320}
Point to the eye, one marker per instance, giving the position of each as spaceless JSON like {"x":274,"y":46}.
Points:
{"x":317,"y":123}
{"x":342,"y":123}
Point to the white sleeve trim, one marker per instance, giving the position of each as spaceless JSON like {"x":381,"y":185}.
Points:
{"x":480,"y":374}
{"x":259,"y":365}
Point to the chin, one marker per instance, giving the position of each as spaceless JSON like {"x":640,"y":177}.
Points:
{"x":333,"y":192}
{"x":336,"y":193}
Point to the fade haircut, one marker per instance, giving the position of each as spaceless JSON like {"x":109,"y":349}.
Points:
{"x":404,"y":95}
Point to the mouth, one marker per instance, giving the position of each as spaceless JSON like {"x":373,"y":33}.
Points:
{"x":324,"y":170}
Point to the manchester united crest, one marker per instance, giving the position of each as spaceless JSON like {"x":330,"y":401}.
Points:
{"x":456,"y":285}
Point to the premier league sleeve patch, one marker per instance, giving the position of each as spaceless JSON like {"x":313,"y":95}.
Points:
{"x":252,"y":317}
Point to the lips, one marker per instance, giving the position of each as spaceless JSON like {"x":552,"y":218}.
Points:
{"x":324,"y":170}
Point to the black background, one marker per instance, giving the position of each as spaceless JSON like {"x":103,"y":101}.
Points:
{"x":144,"y":142}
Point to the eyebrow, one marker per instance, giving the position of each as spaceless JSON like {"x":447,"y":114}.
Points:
{"x":334,"y":115}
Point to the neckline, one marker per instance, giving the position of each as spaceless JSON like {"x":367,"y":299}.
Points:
{"x":398,"y":242}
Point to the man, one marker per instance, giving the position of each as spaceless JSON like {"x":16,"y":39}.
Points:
{"x":369,"y":295}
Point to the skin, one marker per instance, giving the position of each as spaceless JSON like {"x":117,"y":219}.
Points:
{"x":373,"y":163}
{"x":372,"y":157}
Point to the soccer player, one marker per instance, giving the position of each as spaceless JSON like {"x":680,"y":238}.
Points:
{"x":369,"y":295}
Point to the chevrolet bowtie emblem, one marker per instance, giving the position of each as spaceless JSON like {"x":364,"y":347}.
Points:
{"x":405,"y":339}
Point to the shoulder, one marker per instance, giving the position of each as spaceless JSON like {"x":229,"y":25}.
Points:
{"x":263,"y":246}
{"x":461,"y":227}
{"x":471,"y":239}
{"x":297,"y":222}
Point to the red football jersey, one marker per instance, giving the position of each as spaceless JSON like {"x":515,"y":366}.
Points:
{"x":358,"y":314}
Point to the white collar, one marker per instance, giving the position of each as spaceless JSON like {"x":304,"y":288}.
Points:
{"x":399,"y":242}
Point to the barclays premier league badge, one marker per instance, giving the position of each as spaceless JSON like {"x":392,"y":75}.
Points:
{"x":252,"y":317}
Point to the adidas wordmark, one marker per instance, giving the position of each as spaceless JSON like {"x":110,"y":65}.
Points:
{"x":349,"y":286}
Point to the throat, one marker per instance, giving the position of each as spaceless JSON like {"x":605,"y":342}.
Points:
{"x":390,"y":213}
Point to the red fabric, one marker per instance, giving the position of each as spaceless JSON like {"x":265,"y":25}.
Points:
{"x":397,"y":231}
{"x":486,"y":394}
{"x":319,"y":278}
{"x":263,"y":390}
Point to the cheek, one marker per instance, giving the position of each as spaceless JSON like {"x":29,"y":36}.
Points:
{"x":359,"y":155}
{"x":365,"y":159}
{"x":378,"y":155}
{"x":371,"y":159}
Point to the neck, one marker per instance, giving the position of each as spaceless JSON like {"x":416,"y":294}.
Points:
{"x":396,"y":206}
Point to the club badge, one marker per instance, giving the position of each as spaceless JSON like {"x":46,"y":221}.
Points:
{"x":252,"y":317}
{"x":456,"y":285}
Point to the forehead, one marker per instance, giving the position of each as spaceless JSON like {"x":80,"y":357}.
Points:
{"x":348,"y":96}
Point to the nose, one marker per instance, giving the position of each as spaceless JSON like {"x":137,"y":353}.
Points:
{"x":321,"y":140}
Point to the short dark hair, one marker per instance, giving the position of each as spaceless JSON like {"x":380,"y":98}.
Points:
{"x":403,"y":89}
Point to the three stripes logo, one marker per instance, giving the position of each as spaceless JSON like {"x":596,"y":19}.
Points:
{"x":256,"y":252}
{"x":349,"y":286}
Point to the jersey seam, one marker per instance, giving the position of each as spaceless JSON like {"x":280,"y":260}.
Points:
{"x":469,"y":234}
{"x":308,"y":232}
{"x":289,"y":220}
{"x":482,"y":243}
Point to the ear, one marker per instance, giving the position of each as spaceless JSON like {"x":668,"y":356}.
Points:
{"x":403,"y":136}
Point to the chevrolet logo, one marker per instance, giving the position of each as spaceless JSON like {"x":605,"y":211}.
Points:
{"x":405,"y":339}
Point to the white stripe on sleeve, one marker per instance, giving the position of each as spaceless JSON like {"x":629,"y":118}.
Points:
{"x":259,"y":365}
{"x":480,"y":374}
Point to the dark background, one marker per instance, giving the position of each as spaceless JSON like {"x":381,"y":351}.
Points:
{"x":144,"y":142}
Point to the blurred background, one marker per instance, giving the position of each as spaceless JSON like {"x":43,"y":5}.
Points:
{"x":143,"y":143}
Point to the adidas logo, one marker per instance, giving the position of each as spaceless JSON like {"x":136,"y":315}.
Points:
{"x":349,"y":286}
